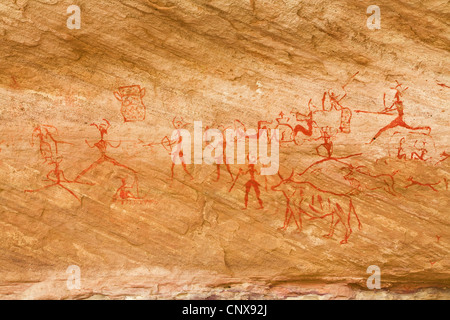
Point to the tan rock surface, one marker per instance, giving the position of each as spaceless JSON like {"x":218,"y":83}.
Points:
{"x":219,"y":61}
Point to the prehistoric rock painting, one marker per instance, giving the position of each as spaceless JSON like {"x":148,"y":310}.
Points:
{"x":396,"y":107}
{"x":315,"y":203}
{"x":132,"y":108}
{"x":322,"y":123}
{"x":129,"y":193}
{"x":412,"y":145}
{"x":174,"y":146}
{"x":304,"y":196}
{"x":361,"y":179}
{"x":48,"y":145}
{"x":48,"y":149}
{"x":57,"y":178}
{"x":444,"y":156}
{"x":222,"y":160}
{"x":249,"y":185}
{"x":102,"y":146}
{"x":427,"y":185}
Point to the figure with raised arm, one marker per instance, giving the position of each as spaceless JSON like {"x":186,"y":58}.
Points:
{"x":397,"y":106}
{"x":102,"y":146}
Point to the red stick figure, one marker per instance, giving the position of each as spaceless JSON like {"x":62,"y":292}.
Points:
{"x":175,"y":146}
{"x":400,"y":151}
{"x":309,"y":123}
{"x":397,"y":106}
{"x":327,"y":143}
{"x":48,"y":145}
{"x":251,"y":183}
{"x":102,"y":145}
{"x":125,"y":192}
{"x":421,"y":151}
{"x":335,"y":101}
{"x":57,"y":177}
{"x":224,"y":157}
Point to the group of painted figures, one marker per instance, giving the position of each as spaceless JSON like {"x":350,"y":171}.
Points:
{"x":303,"y":193}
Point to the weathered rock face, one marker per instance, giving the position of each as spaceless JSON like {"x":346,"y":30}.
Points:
{"x":86,"y":121}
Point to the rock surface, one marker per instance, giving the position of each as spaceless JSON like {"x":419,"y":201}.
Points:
{"x":68,"y":198}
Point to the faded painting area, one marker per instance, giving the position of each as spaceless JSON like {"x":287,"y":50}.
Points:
{"x":105,"y":104}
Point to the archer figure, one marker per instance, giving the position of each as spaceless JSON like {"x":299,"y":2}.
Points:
{"x":335,"y":100}
{"x":397,"y":106}
{"x":48,"y":145}
{"x":308,"y":131}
